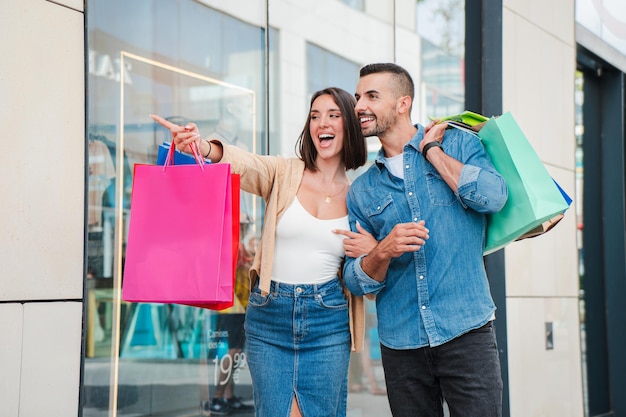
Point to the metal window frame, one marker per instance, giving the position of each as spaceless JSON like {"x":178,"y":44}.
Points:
{"x":604,"y":236}
{"x":483,"y":66}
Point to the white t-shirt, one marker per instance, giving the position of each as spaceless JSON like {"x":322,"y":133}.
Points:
{"x":395,"y":165}
{"x":306,"y":249}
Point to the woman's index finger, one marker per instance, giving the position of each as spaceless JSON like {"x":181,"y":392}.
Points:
{"x":163,"y":122}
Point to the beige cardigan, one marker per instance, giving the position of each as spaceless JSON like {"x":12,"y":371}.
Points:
{"x":277,"y":180}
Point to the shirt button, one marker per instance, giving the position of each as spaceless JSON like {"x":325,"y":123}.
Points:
{"x":421,"y":276}
{"x":423,"y":307}
{"x":378,"y":208}
{"x":415,"y":219}
{"x":410,"y":193}
{"x":407,"y":167}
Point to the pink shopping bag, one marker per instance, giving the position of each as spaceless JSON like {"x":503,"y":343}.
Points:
{"x":180,"y":236}
{"x":236,"y":205}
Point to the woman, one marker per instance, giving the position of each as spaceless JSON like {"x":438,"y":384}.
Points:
{"x":297,"y":324}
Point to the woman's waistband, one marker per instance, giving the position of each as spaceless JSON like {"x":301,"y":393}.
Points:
{"x":302,"y":290}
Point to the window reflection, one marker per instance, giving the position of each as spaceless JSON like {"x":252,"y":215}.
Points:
{"x":147,"y":58}
{"x":441,"y":26}
{"x":325,"y":68}
{"x":355,"y":4}
{"x":443,"y":81}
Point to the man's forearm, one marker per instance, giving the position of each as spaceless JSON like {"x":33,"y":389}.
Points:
{"x":448,"y":167}
{"x":375,"y":265}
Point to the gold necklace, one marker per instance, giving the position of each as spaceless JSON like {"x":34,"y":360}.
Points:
{"x":329,"y":196}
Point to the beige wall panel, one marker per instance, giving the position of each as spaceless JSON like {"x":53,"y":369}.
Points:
{"x":555,"y":16}
{"x":539,"y":69}
{"x":519,"y":7}
{"x":521,"y":78}
{"x":544,"y":382}
{"x":50,"y":377}
{"x":563,"y":23}
{"x":544,"y":265}
{"x":552,"y":134}
{"x":539,"y":92}
{"x":539,"y":89}
{"x":72,"y":4}
{"x":42,"y":167}
{"x":11,"y":329}
{"x":541,"y":273}
{"x":559,"y":148}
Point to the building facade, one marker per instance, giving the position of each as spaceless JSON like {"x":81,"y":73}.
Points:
{"x":79,"y":80}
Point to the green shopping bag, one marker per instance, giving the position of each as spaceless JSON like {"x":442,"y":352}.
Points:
{"x":536,"y":202}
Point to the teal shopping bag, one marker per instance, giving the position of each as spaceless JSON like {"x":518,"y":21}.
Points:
{"x":536,"y":202}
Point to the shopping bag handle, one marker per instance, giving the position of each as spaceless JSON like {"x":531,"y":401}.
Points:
{"x":195,"y":150}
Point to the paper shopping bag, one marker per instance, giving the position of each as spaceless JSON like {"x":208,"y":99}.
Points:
{"x":550,"y":223}
{"x":180,"y":240}
{"x":536,"y":202}
{"x":183,"y":158}
{"x":235,"y":182}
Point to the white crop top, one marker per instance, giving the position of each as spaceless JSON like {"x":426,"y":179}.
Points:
{"x":306,"y":250}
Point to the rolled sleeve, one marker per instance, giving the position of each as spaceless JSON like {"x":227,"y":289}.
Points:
{"x":357,"y":281}
{"x":481,"y":189}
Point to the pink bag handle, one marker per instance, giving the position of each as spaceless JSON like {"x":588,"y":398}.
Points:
{"x":195,"y":150}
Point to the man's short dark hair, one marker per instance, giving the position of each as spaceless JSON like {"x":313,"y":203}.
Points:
{"x":402,"y":81}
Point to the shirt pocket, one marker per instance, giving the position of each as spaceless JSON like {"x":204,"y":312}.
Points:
{"x":439,"y":193}
{"x":382,"y":215}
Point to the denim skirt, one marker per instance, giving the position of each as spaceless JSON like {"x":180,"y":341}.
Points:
{"x":298,"y":344}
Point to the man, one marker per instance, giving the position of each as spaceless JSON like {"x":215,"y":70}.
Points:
{"x":425,"y":199}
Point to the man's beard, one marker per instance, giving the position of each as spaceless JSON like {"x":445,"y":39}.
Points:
{"x":381,"y":125}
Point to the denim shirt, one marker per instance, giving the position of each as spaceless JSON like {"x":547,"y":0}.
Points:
{"x":441,"y":291}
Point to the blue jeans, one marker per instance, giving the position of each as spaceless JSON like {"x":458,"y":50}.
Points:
{"x":298,"y":344}
{"x":464,"y":371}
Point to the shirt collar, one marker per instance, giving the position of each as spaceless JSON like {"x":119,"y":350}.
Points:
{"x":414,"y":143}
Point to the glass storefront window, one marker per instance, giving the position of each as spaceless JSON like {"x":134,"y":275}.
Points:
{"x":150,"y":57}
{"x":442,"y":30}
{"x":578,"y":204}
{"x":325,"y":69}
{"x":442,"y":80}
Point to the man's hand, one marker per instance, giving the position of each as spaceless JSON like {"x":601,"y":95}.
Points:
{"x":433,"y":133}
{"x":403,"y":238}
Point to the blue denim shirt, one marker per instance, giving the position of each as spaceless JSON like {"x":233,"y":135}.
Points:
{"x":441,"y":291}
